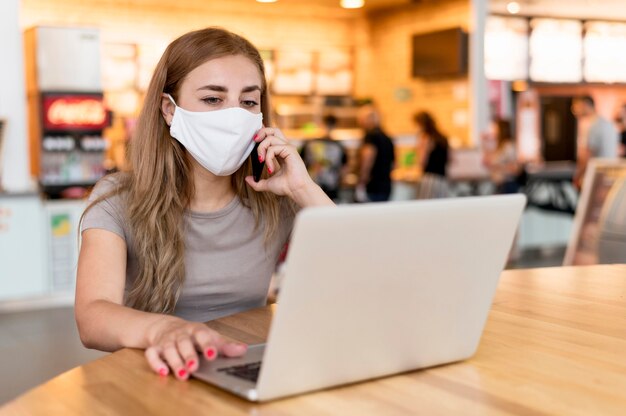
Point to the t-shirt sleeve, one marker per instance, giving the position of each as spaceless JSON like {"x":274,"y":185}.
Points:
{"x":106,"y":214}
{"x":369,"y":139}
{"x":593,"y":140}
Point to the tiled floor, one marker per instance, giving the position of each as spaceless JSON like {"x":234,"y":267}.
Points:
{"x":38,"y":345}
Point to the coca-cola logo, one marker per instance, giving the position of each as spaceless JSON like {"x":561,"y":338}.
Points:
{"x":74,"y":112}
{"x":81,"y":112}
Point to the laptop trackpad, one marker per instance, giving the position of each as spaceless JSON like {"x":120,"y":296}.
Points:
{"x":244,"y":368}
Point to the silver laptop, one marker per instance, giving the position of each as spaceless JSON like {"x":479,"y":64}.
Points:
{"x":377,"y":289}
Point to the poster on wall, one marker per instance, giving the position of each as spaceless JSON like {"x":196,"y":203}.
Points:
{"x":293,"y":72}
{"x":334,"y":73}
{"x":556,"y":50}
{"x":62,"y":219}
{"x":603,"y":187}
{"x":506,"y":48}
{"x":120,"y":77}
{"x":605,"y":52}
{"x":119,"y":66}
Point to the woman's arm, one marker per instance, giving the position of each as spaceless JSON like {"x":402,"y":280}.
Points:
{"x":368,"y":155}
{"x":105,"y":324}
{"x":423,"y":151}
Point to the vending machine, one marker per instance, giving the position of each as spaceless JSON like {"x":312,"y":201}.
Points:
{"x":72,"y":149}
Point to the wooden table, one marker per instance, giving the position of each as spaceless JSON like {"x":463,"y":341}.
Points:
{"x":555,"y":343}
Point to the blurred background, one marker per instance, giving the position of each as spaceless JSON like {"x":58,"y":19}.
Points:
{"x":74,"y":73}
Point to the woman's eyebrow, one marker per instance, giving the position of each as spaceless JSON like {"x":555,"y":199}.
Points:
{"x":214,"y":88}
{"x":251,"y":88}
{"x":221,"y":88}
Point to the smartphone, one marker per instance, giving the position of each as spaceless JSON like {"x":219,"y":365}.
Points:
{"x":257,"y":167}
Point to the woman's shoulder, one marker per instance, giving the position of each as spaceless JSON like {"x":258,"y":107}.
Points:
{"x":106,"y":207}
{"x":109,"y":185}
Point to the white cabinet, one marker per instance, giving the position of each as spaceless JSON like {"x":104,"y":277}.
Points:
{"x":22,"y":247}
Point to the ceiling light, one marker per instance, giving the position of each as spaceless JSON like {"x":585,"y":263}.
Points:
{"x":513,"y":7}
{"x":352,"y":4}
{"x":267,"y":1}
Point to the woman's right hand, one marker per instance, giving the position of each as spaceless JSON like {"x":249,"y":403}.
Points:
{"x":175,"y":343}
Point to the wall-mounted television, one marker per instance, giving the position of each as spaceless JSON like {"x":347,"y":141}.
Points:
{"x":442,"y":53}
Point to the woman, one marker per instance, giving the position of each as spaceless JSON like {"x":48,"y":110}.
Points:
{"x":187,"y":235}
{"x":501,"y":159}
{"x":434,"y":151}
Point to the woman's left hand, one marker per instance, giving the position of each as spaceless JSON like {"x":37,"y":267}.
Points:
{"x":287,"y":174}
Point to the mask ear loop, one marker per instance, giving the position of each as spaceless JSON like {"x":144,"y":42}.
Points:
{"x":172,"y":99}
{"x":173,"y":102}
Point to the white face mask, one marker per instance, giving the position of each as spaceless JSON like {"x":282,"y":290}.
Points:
{"x":219,"y":140}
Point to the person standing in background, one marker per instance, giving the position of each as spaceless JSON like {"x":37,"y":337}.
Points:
{"x":501,"y":158}
{"x":376,"y":159}
{"x":325,"y":160}
{"x":433,"y":149}
{"x":622,"y":122}
{"x":601,"y":139}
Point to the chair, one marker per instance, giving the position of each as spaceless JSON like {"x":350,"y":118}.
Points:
{"x":612,"y":236}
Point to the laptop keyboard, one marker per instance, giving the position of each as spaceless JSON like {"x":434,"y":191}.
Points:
{"x":248,"y":372}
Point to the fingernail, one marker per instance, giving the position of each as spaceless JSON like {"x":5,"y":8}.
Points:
{"x":191,"y":363}
{"x":255,"y":136}
{"x":210,"y":353}
{"x":163,"y":372}
{"x":260,"y":158}
{"x":182,"y":372}
{"x":269,"y":170}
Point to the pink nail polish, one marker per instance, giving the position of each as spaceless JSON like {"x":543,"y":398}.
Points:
{"x":163,"y":372}
{"x":182,"y":372}
{"x":210,"y":353}
{"x":269,"y":170}
{"x":260,"y":158}
{"x":255,"y":136}
{"x":191,"y":363}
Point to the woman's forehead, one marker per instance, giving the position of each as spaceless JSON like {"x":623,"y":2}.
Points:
{"x":232,"y":71}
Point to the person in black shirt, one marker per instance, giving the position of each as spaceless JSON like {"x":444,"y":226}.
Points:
{"x":376,"y":159}
{"x":434,"y":151}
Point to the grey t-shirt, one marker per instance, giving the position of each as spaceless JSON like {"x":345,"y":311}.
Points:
{"x":602,"y":139}
{"x":228,"y":266}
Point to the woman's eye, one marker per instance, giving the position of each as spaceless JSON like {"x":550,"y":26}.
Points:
{"x":212,"y":100}
{"x":249,"y":103}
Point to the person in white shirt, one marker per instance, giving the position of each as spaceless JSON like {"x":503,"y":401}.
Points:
{"x":601,"y":140}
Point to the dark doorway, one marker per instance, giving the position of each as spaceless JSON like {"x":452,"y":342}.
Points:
{"x":558,"y":129}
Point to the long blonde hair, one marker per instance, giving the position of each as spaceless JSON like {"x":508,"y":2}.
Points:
{"x":158,"y":186}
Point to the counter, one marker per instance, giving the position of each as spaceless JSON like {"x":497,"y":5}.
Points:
{"x":22,"y":246}
{"x":38,"y":250}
